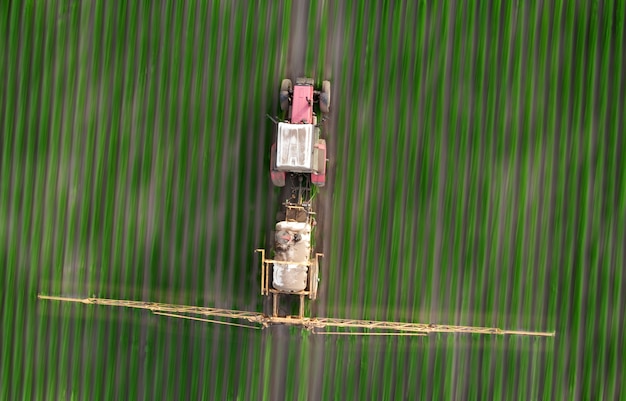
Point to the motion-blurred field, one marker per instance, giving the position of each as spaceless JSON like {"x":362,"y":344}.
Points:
{"x":477,"y":178}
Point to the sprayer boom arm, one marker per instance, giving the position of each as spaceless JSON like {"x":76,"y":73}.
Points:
{"x":315,"y":325}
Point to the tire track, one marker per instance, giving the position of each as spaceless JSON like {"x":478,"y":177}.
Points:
{"x":301,"y":35}
{"x":280,"y":337}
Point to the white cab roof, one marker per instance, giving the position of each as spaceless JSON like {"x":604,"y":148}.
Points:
{"x":294,"y":148}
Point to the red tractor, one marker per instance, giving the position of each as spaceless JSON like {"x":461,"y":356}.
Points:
{"x":298,"y":148}
{"x":298,"y":161}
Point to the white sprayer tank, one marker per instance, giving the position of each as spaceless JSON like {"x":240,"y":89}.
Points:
{"x":293,"y":246}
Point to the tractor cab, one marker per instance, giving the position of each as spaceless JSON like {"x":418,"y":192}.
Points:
{"x":298,"y":147}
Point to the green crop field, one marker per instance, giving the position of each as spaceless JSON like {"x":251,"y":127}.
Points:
{"x":476,"y":178}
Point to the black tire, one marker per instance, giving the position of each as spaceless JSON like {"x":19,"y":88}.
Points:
{"x":285,"y":87}
{"x":278,"y":178}
{"x":325,"y":97}
{"x":284,"y":100}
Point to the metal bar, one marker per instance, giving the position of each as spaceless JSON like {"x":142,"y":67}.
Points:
{"x":206,"y":320}
{"x":528,"y":333}
{"x":263,"y":277}
{"x":307,"y":323}
{"x":274,"y":120}
{"x":263,"y":271}
{"x":254,"y":317}
{"x":418,"y":327}
{"x":303,"y":292}
{"x":344,"y":333}
{"x":275,"y":305}
{"x":310,"y":275}
{"x":287,"y":261}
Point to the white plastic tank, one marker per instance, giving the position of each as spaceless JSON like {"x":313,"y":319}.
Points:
{"x":290,"y":277}
{"x":293,"y":246}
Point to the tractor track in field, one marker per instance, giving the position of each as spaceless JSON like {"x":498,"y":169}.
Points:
{"x":280,"y":337}
{"x":332,"y":64}
{"x":300,"y":36}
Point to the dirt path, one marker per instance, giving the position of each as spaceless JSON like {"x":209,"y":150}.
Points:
{"x":281,"y":338}
{"x":332,"y":65}
{"x":298,"y":38}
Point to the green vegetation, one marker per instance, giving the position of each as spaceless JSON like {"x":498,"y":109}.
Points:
{"x":478,"y":180}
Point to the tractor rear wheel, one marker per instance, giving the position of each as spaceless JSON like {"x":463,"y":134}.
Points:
{"x":285,"y":87}
{"x":325,"y":97}
{"x":278,"y":177}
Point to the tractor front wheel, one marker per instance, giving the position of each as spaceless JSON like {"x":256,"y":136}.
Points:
{"x":285,"y":87}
